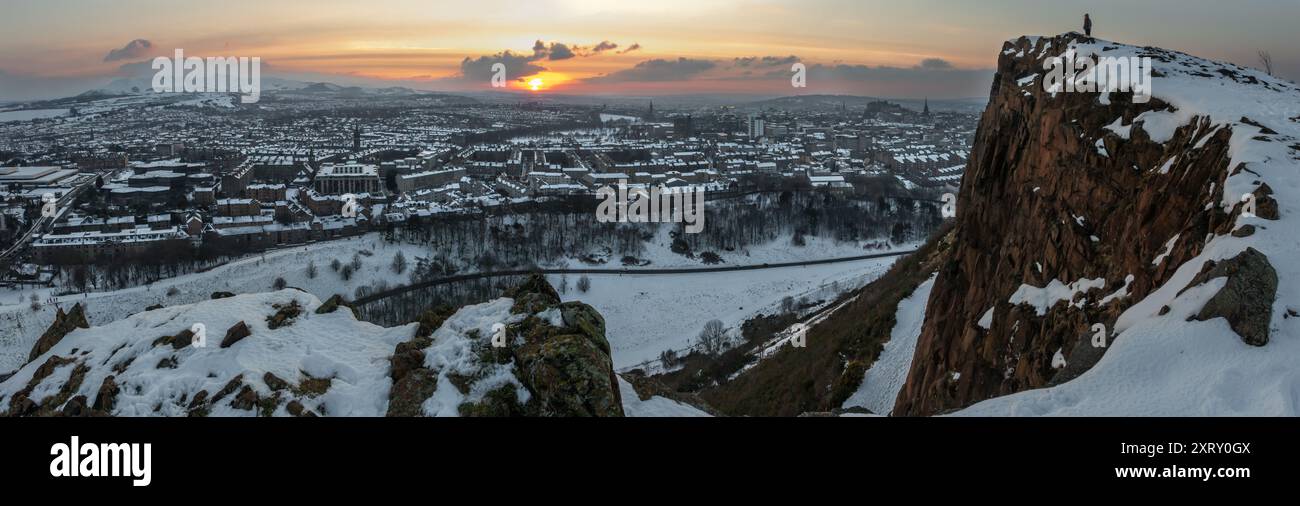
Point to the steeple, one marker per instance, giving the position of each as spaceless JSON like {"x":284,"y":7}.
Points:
{"x":651,"y":114}
{"x":927,"y":107}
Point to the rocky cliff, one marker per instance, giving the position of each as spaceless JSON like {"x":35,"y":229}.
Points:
{"x":1090,"y":224}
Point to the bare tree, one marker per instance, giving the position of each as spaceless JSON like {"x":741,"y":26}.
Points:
{"x":584,"y":284}
{"x":1266,"y":60}
{"x":399,"y":263}
{"x":713,"y":339}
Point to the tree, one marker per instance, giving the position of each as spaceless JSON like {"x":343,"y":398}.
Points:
{"x":564,"y":284}
{"x":787,"y":304}
{"x":311,"y":269}
{"x":713,"y":339}
{"x":668,"y":358}
{"x":1266,"y":60}
{"x":335,"y":264}
{"x":399,"y":263}
{"x":279,"y":284}
{"x":346,"y":272}
{"x":584,"y":284}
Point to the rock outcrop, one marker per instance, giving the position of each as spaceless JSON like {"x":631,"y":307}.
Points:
{"x":286,"y":353}
{"x":1074,"y":207}
{"x":62,"y":325}
{"x":1246,"y":299}
{"x":557,"y":352}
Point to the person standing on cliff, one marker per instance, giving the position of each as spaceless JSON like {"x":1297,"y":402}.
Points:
{"x":1087,"y":25}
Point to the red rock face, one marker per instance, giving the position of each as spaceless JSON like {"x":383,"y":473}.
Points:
{"x":1005,"y":229}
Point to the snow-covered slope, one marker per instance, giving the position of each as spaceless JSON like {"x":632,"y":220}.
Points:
{"x":274,"y":354}
{"x":885,"y":377}
{"x":350,"y":356}
{"x":1162,"y":358}
{"x":655,"y":406}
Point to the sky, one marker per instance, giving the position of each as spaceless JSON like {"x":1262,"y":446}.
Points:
{"x":898,"y":49}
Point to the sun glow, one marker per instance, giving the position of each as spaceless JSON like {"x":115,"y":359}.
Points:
{"x":535,"y":84}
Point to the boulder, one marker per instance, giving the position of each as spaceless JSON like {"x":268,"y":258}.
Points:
{"x":1246,"y":300}
{"x":236,"y":333}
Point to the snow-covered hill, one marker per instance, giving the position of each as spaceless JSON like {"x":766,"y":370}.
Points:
{"x":286,"y":353}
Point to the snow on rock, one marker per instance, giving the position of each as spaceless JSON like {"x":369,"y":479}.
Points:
{"x":345,"y":360}
{"x":455,"y":352}
{"x":284,"y":353}
{"x":882,"y":381}
{"x":1165,"y":360}
{"x":1044,"y":298}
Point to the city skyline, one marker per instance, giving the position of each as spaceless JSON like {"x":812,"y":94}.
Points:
{"x":929,"y":48}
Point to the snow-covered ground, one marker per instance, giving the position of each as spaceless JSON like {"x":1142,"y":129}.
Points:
{"x":352,"y":354}
{"x":659,"y":253}
{"x":20,"y":326}
{"x":1164,"y":365}
{"x":349,"y":359}
{"x":655,"y":406}
{"x":885,"y":377}
{"x":648,"y":314}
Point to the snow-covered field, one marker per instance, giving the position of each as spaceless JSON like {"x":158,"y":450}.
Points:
{"x":348,"y":359}
{"x":30,"y":114}
{"x":648,"y":314}
{"x":20,"y":326}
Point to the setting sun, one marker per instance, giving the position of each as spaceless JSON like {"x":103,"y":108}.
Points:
{"x":535,"y":83}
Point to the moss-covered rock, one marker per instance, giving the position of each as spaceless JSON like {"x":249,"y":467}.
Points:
{"x":534,"y":295}
{"x":1246,"y":300}
{"x":333,"y":303}
{"x":284,"y":315}
{"x":500,"y":402}
{"x":566,"y":368}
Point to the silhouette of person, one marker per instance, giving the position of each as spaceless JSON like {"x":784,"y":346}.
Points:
{"x":1087,"y":25}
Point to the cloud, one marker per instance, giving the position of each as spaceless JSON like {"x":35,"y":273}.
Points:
{"x":634,"y":47}
{"x":517,"y":66}
{"x":658,"y":70}
{"x":935,"y":63}
{"x":560,"y":52}
{"x":134,"y":49}
{"x":521,"y":65}
{"x":765,"y":61}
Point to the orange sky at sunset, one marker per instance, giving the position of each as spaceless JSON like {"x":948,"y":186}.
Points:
{"x":901,"y":49}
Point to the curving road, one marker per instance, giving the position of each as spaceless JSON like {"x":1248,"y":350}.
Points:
{"x":677,"y":270}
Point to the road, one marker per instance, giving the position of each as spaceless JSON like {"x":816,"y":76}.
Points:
{"x":63,"y":204}
{"x":680,"y":270}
